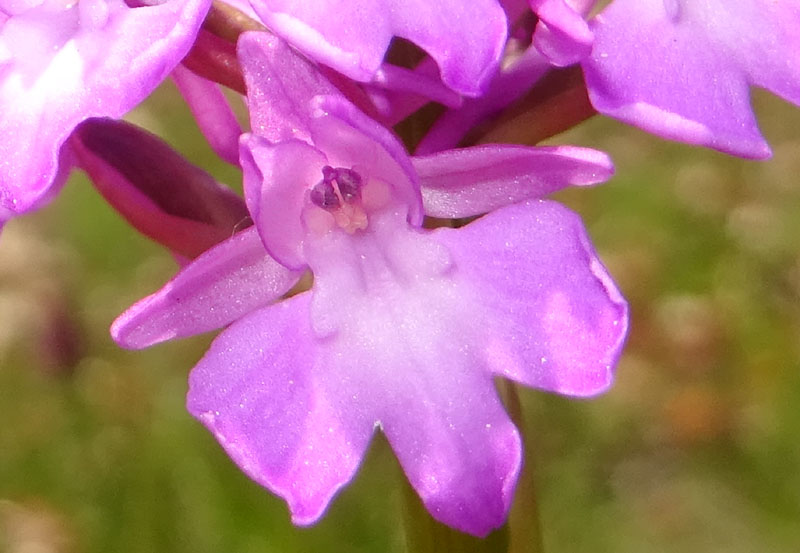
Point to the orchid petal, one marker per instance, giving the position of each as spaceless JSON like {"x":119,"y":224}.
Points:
{"x":455,"y":442}
{"x":16,"y":7}
{"x":472,"y":181}
{"x":276,"y":180}
{"x":280,"y":87}
{"x":261,"y":390}
{"x":551,"y":316}
{"x":682,"y":69}
{"x":93,"y":59}
{"x":212,"y":112}
{"x":396,"y":322}
{"x":561,"y":34}
{"x":220,"y":286}
{"x":465,"y":38}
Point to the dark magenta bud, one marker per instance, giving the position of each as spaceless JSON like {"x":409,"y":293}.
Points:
{"x":155,"y":189}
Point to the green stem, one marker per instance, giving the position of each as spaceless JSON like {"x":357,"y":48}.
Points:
{"x":557,"y":103}
{"x":525,"y":534}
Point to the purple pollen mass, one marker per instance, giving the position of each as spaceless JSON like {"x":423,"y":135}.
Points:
{"x":346,"y":181}
{"x":339,"y":192}
{"x":337,"y":186}
{"x":324,"y":196}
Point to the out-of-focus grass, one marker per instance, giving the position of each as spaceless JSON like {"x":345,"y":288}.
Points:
{"x":697,"y":447}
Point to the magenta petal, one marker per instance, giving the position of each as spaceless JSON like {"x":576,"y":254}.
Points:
{"x":415,"y":82}
{"x":257,"y":391}
{"x":14,"y":7}
{"x":562,"y":35}
{"x":465,"y":38}
{"x":220,"y":286}
{"x":212,"y":112}
{"x":456,"y":444}
{"x":552,"y":318}
{"x":280,"y":87}
{"x":94,"y":59}
{"x":471,"y":181}
{"x":683,"y":69}
{"x":276,"y":180}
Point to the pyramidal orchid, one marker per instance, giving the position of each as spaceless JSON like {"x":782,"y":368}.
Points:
{"x":404,"y":328}
{"x":65,"y":61}
{"x":682,"y":69}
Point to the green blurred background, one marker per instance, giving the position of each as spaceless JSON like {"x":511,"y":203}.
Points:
{"x":696,"y":448}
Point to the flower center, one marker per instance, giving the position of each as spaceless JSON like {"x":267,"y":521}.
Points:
{"x":338,"y":187}
{"x":346,"y":198}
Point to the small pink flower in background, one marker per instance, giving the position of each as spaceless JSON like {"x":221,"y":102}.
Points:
{"x":683,"y":69}
{"x":404,"y":329}
{"x":63,"y":62}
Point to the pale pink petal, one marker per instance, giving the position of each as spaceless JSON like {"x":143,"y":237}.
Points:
{"x":217,"y":288}
{"x":263,"y":392}
{"x":63,"y":63}
{"x":280,"y":87}
{"x":277,"y":178}
{"x":14,"y":7}
{"x":551,"y":317}
{"x":683,"y":69}
{"x":465,"y":38}
{"x":471,"y":181}
{"x":212,"y":112}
